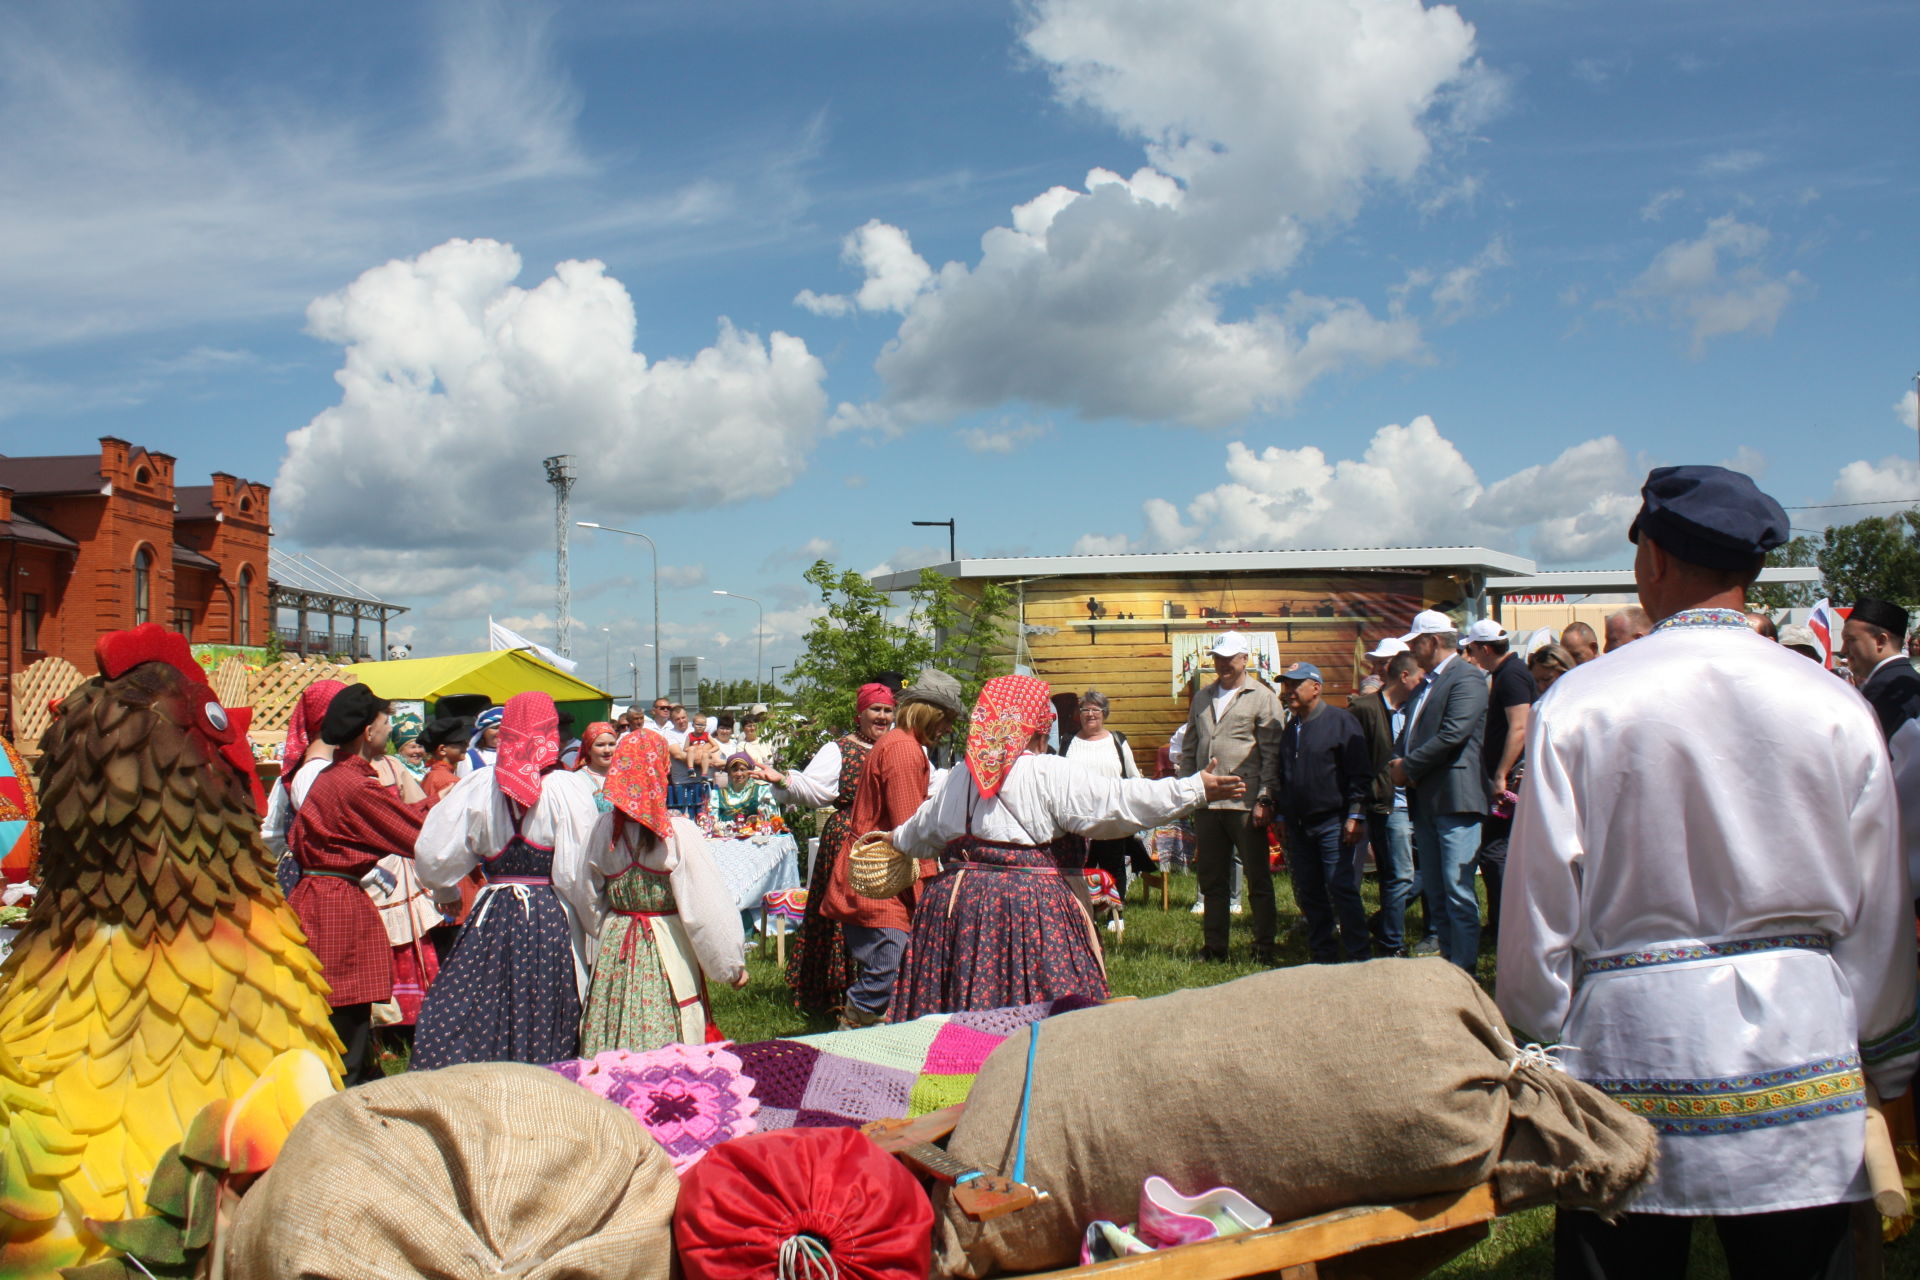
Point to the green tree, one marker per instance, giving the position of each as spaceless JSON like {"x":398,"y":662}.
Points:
{"x":864,"y":633}
{"x":715,"y":694}
{"x":1801,"y":552}
{"x":1878,"y":556}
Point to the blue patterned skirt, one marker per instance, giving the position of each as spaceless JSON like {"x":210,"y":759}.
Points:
{"x":507,"y":993}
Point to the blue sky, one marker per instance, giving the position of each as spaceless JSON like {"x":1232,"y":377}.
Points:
{"x":1295,"y":273}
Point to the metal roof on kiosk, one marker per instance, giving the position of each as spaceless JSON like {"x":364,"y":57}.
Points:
{"x":1360,"y":559}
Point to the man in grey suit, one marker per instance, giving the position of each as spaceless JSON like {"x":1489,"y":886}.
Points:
{"x":1439,"y":760}
{"x":1235,"y":723}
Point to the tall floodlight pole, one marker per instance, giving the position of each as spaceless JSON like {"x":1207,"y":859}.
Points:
{"x":560,"y":476}
{"x":759,"y":641}
{"x":658,"y":688}
{"x":953,"y":552}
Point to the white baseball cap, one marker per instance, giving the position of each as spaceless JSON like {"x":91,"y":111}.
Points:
{"x":1391,"y":647}
{"x":1430,"y":622}
{"x":1230,"y":645}
{"x":1485,"y":631}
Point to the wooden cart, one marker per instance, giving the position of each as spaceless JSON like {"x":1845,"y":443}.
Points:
{"x":1367,"y":1242}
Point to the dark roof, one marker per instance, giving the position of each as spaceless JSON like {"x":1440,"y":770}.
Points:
{"x":193,"y":559}
{"x":73,"y":473}
{"x":21,"y":529}
{"x":193,"y":502}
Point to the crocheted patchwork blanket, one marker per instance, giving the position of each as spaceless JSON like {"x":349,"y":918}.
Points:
{"x":845,"y":1078}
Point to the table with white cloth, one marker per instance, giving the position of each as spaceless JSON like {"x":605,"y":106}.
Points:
{"x":754,"y":867}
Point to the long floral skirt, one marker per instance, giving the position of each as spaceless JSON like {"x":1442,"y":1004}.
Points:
{"x":507,"y":993}
{"x":1000,"y":928}
{"x":820,"y":968}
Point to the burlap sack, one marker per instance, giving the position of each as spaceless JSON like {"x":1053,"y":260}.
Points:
{"x":485,"y":1170}
{"x":1309,"y":1089}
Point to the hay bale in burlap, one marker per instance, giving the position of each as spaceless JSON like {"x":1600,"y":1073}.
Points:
{"x":1309,"y":1089}
{"x":473,"y":1171}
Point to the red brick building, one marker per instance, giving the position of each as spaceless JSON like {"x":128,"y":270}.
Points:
{"x":92,"y":544}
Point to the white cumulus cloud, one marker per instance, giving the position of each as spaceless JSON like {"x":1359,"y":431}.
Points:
{"x":1411,"y":487}
{"x":895,"y":274}
{"x":1003,"y":439}
{"x":456,"y":382}
{"x":1262,"y":125}
{"x":1714,"y":285}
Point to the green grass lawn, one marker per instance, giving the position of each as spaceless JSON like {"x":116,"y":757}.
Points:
{"x":1161,"y":953}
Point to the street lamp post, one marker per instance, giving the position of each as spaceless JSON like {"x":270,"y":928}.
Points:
{"x":588,"y":524}
{"x":952,"y":554}
{"x":759,"y":639}
{"x":773,"y":676}
{"x":607,"y":683}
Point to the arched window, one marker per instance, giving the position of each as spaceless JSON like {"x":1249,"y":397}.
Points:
{"x":243,"y":608}
{"x":142,"y":585}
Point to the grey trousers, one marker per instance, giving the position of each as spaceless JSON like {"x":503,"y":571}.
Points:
{"x":877,"y":952}
{"x":1222,"y":837}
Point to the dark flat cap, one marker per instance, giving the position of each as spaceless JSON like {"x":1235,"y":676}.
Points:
{"x":442,"y":730}
{"x":348,"y":715}
{"x":1709,"y":516}
{"x":1880,"y":613}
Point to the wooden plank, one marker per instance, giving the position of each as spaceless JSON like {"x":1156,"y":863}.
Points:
{"x":1308,"y":1240}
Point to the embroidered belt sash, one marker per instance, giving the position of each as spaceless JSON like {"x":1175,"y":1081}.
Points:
{"x":1690,"y":1108}
{"x":1690,"y":952}
{"x":336,"y":875}
{"x":626,"y":942}
{"x":961,"y":864}
{"x":493,"y":879}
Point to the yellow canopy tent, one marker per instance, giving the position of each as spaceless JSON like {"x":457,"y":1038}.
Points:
{"x":499,"y":675}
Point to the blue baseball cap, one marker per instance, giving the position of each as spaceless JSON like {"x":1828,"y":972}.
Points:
{"x":1303,"y":671}
{"x":1709,"y":516}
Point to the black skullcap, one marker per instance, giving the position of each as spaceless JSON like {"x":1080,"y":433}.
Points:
{"x":348,"y":715}
{"x":1709,"y":516}
{"x":1880,"y":613}
{"x":442,"y":730}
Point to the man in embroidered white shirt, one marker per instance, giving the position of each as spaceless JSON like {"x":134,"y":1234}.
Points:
{"x":1707,"y":908}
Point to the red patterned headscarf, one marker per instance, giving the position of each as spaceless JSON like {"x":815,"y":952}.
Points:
{"x":1010,"y":711}
{"x":872,"y":695}
{"x":529,"y":746}
{"x":594,"y":730}
{"x":304,"y":723}
{"x":637,"y":781}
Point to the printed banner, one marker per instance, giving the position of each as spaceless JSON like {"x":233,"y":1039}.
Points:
{"x":1192,"y":657}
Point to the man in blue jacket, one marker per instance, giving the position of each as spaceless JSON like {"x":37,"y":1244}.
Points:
{"x":1440,"y":761}
{"x":1319,"y":778}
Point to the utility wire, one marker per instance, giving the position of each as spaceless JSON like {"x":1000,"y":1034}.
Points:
{"x":1828,"y":506}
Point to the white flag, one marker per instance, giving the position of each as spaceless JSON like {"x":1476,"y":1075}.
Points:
{"x":499,"y":637}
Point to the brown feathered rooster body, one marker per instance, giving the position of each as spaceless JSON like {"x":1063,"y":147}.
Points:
{"x":161,"y":967}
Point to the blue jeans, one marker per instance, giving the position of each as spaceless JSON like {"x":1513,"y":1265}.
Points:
{"x":1391,"y":835}
{"x":1326,"y":884}
{"x":1453,"y":840}
{"x":877,"y":953}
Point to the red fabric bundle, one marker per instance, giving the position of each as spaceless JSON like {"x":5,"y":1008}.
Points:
{"x":748,"y":1197}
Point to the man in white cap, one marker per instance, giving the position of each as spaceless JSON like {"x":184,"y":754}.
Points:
{"x":1381,"y":654}
{"x":1511,"y":694}
{"x":1235,"y":723}
{"x":1439,"y":759}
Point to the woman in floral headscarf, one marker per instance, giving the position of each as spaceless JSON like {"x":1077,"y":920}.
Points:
{"x":301,"y":760}
{"x":512,"y":986}
{"x":669,"y":924}
{"x":596,"y":758}
{"x":1000,"y":925}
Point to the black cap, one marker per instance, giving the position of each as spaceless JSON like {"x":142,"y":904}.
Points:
{"x":442,"y":730}
{"x":348,"y":715}
{"x":1709,"y":516}
{"x":1880,"y":613}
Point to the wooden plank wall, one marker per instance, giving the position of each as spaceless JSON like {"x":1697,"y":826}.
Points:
{"x":1132,"y":663}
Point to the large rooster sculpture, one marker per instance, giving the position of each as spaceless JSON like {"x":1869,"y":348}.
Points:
{"x":161,"y":968}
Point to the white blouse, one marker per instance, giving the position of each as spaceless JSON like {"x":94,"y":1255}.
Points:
{"x":1042,"y":797}
{"x":699,"y":893}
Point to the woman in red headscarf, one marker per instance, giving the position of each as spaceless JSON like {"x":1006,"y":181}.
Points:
{"x":669,"y":925}
{"x":512,"y":986}
{"x":819,"y":969}
{"x":596,"y":757}
{"x":1000,"y":925}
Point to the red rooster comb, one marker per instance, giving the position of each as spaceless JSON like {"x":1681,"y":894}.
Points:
{"x":119,"y":652}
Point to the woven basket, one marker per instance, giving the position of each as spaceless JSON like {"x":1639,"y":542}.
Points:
{"x":878,"y":870}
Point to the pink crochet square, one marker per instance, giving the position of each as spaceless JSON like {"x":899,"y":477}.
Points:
{"x":959,"y":1051}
